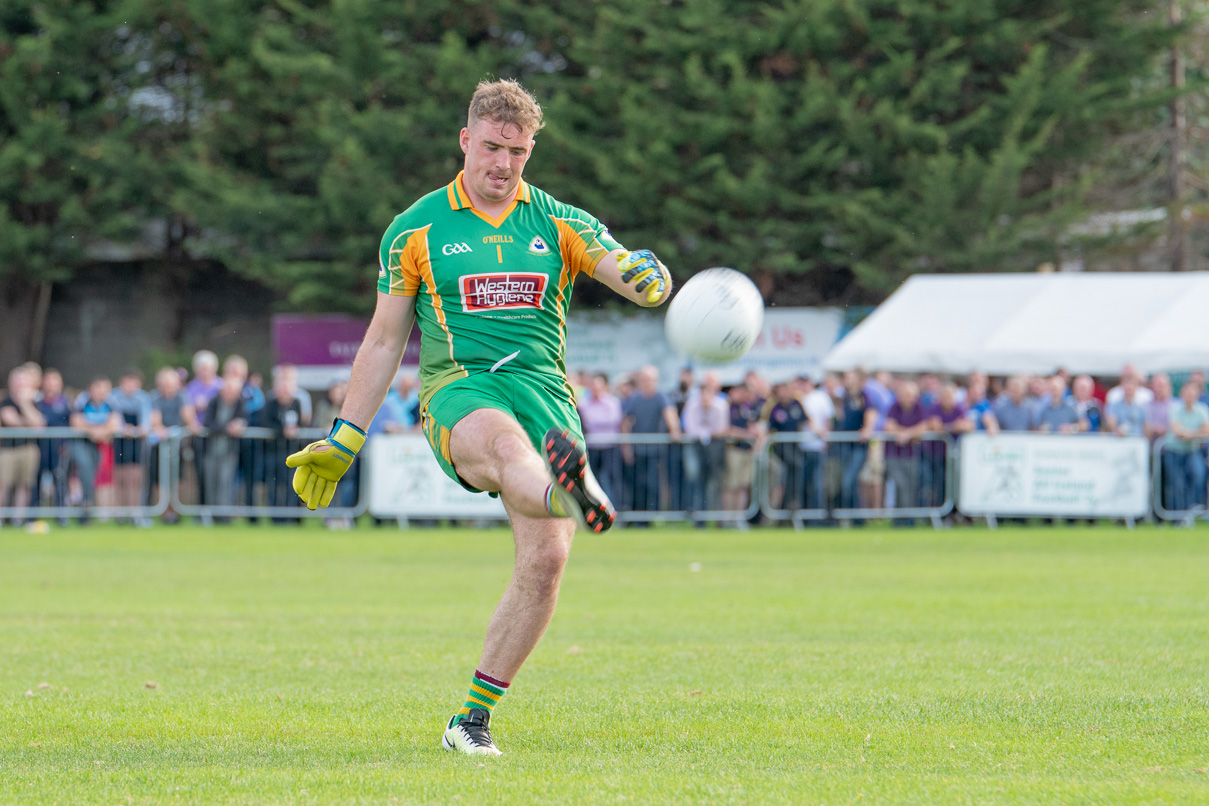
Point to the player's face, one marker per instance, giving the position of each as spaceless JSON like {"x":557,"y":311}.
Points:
{"x":496,"y":154}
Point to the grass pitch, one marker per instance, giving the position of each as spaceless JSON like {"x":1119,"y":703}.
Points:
{"x":259,"y":665}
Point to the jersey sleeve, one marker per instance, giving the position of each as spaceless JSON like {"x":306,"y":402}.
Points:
{"x":402,"y":257}
{"x":582,"y":240}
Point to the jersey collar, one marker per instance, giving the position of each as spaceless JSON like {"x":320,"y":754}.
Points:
{"x":459,"y":199}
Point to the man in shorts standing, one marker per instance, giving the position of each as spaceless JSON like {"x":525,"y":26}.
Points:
{"x":486,"y":264}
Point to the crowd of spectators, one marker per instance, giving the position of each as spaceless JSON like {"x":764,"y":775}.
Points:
{"x":857,"y":440}
{"x":860,"y":440}
{"x":112,"y":457}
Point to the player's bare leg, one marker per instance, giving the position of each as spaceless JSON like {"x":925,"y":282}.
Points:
{"x":522,"y":615}
{"x":490,"y":451}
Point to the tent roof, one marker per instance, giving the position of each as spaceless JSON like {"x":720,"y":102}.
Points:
{"x":1007,"y":323}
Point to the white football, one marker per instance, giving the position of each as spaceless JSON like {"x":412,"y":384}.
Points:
{"x":716,"y":316}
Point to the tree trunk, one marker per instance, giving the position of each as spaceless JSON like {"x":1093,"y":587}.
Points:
{"x":18,"y":311}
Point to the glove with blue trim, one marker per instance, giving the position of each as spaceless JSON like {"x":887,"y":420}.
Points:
{"x":321,"y":464}
{"x":644,"y":271}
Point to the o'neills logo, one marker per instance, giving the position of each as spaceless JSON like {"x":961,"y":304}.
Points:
{"x":503,"y":290}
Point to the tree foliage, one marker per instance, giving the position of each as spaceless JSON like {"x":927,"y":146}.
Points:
{"x":881,"y":138}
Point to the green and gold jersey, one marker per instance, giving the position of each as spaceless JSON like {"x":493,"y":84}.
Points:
{"x":492,"y":294}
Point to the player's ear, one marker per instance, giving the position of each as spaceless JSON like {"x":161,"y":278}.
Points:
{"x":464,"y":141}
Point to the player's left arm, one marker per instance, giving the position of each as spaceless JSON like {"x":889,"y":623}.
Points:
{"x":638,"y":276}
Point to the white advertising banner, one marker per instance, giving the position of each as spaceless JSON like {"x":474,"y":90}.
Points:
{"x":792,"y":342}
{"x":1058,"y":475}
{"x":405,"y":481}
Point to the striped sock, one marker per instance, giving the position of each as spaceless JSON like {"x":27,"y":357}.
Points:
{"x":553,"y":505}
{"x":485,"y":693}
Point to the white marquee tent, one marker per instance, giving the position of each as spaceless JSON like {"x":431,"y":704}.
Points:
{"x":1035,"y":323}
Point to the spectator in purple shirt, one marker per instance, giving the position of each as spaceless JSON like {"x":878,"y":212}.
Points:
{"x":205,"y":384}
{"x":600,"y":415}
{"x":906,"y":422}
{"x":199,"y":392}
{"x":950,"y":417}
{"x":706,"y":424}
{"x":1158,"y":410}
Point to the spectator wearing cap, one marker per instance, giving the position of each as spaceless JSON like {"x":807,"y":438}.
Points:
{"x":19,"y":456}
{"x":56,"y":410}
{"x":1013,"y":411}
{"x":1183,"y":463}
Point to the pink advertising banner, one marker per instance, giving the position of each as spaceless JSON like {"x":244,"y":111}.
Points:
{"x":326,"y":340}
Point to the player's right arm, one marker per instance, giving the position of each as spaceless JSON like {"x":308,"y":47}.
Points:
{"x":320,"y":465}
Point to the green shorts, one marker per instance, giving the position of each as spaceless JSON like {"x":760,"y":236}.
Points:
{"x":536,"y":404}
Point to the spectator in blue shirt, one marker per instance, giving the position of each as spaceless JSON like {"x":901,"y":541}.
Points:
{"x":1058,"y":416}
{"x":1126,"y":416}
{"x":96,"y":416}
{"x":1014,"y":412}
{"x":979,"y":408}
{"x":133,"y":405}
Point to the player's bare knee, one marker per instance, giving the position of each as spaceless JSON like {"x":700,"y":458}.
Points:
{"x":510,"y":449}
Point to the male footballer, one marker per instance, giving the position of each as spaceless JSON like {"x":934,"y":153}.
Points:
{"x":486,"y":265}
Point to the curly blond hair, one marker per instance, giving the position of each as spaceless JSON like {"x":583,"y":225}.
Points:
{"x":506,"y":101}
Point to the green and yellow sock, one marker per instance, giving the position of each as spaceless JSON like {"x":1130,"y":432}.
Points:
{"x":485,"y":693}
{"x":553,"y":505}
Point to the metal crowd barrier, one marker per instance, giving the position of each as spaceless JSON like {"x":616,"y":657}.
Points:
{"x":63,"y":474}
{"x":843,"y":478}
{"x":221,"y":476}
{"x":1179,"y":480}
{"x":650,"y":477}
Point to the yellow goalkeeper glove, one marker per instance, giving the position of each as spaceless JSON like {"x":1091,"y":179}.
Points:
{"x":321,"y":464}
{"x":644,"y":271}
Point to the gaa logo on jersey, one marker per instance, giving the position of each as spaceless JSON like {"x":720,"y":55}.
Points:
{"x":503,"y":290}
{"x":538,"y":246}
